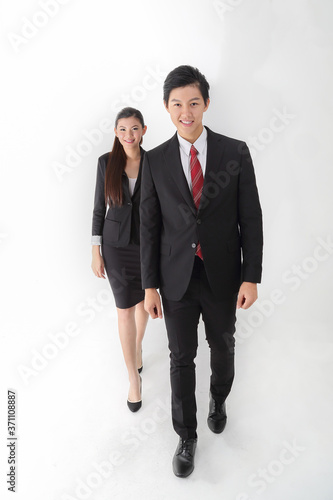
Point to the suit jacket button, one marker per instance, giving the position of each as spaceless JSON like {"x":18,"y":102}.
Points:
{"x":198,"y":221}
{"x":194,"y":245}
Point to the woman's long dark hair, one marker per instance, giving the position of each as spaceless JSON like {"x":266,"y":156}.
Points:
{"x":117,"y":162}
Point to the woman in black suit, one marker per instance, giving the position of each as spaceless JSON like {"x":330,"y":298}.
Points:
{"x":116,"y":238}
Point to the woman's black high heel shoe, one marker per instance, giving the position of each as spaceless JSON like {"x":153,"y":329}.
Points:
{"x":137,"y":404}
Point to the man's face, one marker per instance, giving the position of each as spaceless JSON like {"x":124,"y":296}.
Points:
{"x":186,"y":107}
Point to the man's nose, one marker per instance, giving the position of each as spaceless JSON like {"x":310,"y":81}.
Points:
{"x":187,"y":110}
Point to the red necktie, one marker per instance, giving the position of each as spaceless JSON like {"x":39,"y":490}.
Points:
{"x":197,"y":184}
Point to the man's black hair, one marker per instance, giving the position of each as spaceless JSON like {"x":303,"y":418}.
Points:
{"x":183,"y":76}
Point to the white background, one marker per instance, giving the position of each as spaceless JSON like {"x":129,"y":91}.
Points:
{"x":63,"y":74}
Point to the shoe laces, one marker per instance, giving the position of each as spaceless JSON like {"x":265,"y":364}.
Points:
{"x":217,"y":407}
{"x":186,"y":446}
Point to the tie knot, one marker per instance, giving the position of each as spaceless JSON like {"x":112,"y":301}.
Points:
{"x":193,"y":151}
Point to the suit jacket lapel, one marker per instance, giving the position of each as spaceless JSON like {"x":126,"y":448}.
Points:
{"x":138,"y":181}
{"x":215,"y":149}
{"x":175,"y":168}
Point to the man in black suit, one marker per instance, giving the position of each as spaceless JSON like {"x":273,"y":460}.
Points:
{"x":201,"y":245}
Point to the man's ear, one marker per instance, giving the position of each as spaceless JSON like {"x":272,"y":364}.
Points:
{"x":166,"y":106}
{"x":207,"y":104}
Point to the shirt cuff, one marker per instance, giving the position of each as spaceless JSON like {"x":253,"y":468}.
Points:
{"x":96,"y":240}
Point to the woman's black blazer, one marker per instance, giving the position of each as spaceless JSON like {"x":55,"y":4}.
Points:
{"x":121,"y":225}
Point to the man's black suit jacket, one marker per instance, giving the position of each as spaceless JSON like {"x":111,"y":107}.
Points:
{"x":228,"y":223}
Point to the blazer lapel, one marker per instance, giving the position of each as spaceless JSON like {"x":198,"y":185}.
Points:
{"x":138,"y":180}
{"x":215,"y":149}
{"x":175,"y":168}
{"x":126,"y":193}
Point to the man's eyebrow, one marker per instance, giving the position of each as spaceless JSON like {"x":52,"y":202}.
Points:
{"x":193,"y":99}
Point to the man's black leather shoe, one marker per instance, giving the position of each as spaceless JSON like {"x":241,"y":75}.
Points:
{"x":217,"y":417}
{"x":183,"y":460}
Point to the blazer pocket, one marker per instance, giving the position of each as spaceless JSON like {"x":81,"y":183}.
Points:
{"x":111,"y":231}
{"x":165,"y":249}
{"x":234,"y":245}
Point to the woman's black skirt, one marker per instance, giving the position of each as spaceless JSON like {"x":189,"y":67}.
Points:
{"x":122,"y":266}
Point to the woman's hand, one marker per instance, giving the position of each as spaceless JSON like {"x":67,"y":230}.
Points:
{"x":97,"y":264}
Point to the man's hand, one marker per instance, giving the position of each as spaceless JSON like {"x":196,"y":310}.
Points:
{"x":153,"y":303}
{"x":247,"y":295}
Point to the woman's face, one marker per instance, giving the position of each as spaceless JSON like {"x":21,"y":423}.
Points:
{"x":129,"y":132}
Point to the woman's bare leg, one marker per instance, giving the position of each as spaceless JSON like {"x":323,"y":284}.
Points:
{"x":128,"y":334}
{"x":141,"y":319}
